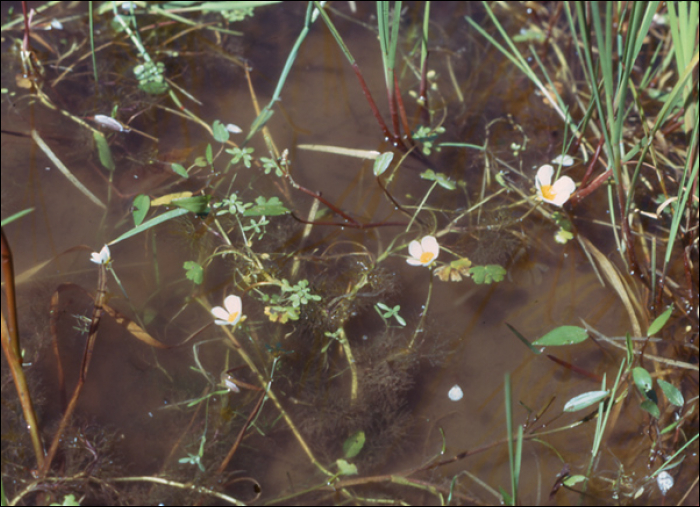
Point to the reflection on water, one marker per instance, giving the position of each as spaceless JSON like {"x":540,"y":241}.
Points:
{"x":135,"y":394}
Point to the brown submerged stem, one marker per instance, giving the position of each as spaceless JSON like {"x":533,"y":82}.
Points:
{"x":100,"y":297}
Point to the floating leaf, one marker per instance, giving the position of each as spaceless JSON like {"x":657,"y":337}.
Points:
{"x":271,"y":208}
{"x":382,"y":162}
{"x":179,"y":170}
{"x":354,"y":444}
{"x":659,"y":322}
{"x":563,"y":335}
{"x":220,"y":133}
{"x":672,"y":393}
{"x":585,"y":400}
{"x":103,"y":150}
{"x":142,"y":204}
{"x":642,"y":379}
{"x":345,"y":468}
{"x":487,"y":274}
{"x":194,"y":272}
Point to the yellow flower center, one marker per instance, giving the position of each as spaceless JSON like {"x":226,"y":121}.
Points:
{"x":232,"y":316}
{"x":548,"y":192}
{"x":426,"y":257}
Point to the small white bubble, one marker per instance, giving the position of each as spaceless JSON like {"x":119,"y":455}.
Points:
{"x":455,"y":393}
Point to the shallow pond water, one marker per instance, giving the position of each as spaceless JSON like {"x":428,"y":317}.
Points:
{"x":131,"y":409}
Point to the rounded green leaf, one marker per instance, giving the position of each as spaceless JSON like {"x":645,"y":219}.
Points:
{"x":345,"y":468}
{"x":354,"y":444}
{"x":650,"y":407}
{"x":642,"y":379}
{"x":142,"y":203}
{"x":219,"y":131}
{"x":564,"y":335}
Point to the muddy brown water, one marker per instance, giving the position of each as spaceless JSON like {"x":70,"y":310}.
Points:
{"x":128,"y":401}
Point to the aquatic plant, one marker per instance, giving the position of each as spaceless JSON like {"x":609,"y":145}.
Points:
{"x":345,"y":354}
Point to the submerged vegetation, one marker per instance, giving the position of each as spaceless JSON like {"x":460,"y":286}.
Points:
{"x":305,"y":314}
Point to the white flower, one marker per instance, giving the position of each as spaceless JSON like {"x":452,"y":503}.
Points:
{"x":423,"y":253}
{"x":229,"y":316}
{"x":559,"y":192}
{"x":101,"y":258}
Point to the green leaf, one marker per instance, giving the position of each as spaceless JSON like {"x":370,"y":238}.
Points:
{"x":354,"y":444}
{"x":440,"y":178}
{"x":642,"y":379}
{"x":197,"y":204}
{"x":345,"y":468}
{"x":585,"y":400}
{"x":572,"y":480}
{"x":16,"y":216}
{"x":650,"y":407}
{"x":220,"y":132}
{"x":179,"y":170}
{"x":150,"y":223}
{"x":672,"y":393}
{"x":209,"y":154}
{"x":563,"y":335}
{"x":271,"y":208}
{"x":103,"y":150}
{"x":523,"y":339}
{"x":142,"y":204}
{"x":659,"y":322}
{"x":382,"y":162}
{"x":487,"y":274}
{"x":194,"y":272}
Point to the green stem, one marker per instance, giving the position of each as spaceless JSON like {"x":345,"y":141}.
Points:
{"x":419,"y":327}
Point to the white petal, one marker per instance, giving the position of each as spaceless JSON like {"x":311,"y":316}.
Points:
{"x":430,"y":244}
{"x":544,"y":175}
{"x":220,"y":314}
{"x":104,"y":253}
{"x":414,"y":262}
{"x":233,"y":304}
{"x":415,"y":249}
{"x":565,"y":160}
{"x":95,"y":257}
{"x":563,"y":188}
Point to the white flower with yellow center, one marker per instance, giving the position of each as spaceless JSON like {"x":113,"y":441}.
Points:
{"x":423,"y":253}
{"x":101,"y":258}
{"x":557,"y":193}
{"x":230,"y":315}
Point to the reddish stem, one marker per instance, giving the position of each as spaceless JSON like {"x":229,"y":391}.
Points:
{"x":583,"y":192}
{"x":402,"y":111}
{"x":594,"y":159}
{"x":372,"y":105}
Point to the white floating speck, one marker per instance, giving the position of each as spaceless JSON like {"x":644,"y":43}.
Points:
{"x":565,"y":160}
{"x":455,"y":393}
{"x":234,"y":129}
{"x":664,"y":481}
